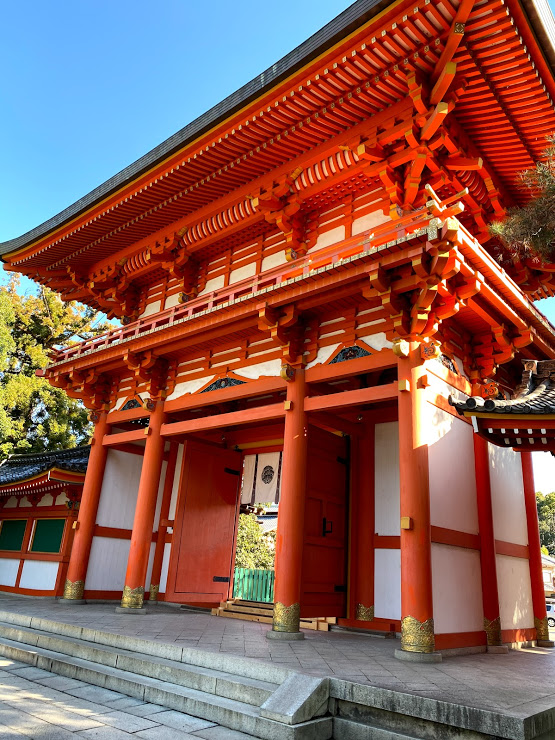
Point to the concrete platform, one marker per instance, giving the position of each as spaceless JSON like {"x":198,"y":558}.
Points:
{"x":513,"y":694}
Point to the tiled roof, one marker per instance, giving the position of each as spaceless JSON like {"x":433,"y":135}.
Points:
{"x":535,"y":394}
{"x":22,"y":467}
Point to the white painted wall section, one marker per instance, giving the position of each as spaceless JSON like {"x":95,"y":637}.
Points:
{"x":387,"y":584}
{"x":8,"y":571}
{"x":452,"y":476}
{"x":515,"y":592}
{"x":457,"y":589}
{"x":107,"y":564}
{"x":165,"y":566}
{"x":507,"y":495}
{"x":387,"y":500}
{"x":119,"y":490}
{"x":39,"y":575}
{"x":176,"y":481}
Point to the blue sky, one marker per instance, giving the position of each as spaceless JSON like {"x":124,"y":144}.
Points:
{"x":88,"y":87}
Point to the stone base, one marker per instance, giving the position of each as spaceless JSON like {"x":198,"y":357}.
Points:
{"x":434,"y":657}
{"x":72,"y":602}
{"x":271,"y":635}
{"x":498,"y":649}
{"x":129,"y":610}
{"x":545,"y":643}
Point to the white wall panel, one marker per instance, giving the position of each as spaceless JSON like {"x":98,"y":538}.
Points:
{"x":387,"y":479}
{"x":273,"y":260}
{"x":241,"y":273}
{"x":165,"y":565}
{"x":387,"y":584}
{"x":176,"y":481}
{"x":8,"y":571}
{"x":328,"y":237}
{"x":452,"y":476}
{"x":107,"y":564}
{"x":151,"y":309}
{"x":160,"y":493}
{"x":457,"y":589}
{"x":39,"y":575}
{"x":46,"y":500}
{"x":507,"y":495}
{"x":515,"y":592}
{"x":370,"y":221}
{"x":119,"y":490}
{"x":11,"y":503}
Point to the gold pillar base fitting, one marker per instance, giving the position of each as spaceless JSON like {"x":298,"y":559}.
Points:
{"x":73,"y":591}
{"x":286,"y":624}
{"x":542,"y":632}
{"x":364,"y":613}
{"x":418,"y":641}
{"x":132,"y":598}
{"x":492,"y":628}
{"x":153,"y":593}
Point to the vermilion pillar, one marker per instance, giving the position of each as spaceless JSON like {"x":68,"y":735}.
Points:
{"x":417,"y":622}
{"x":162,"y":528}
{"x":81,"y":550}
{"x":289,"y":541}
{"x":488,"y":561}
{"x":141,"y":536}
{"x":364,"y":523}
{"x":534,"y":549}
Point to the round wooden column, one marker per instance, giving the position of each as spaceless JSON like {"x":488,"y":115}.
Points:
{"x":488,"y":560}
{"x":364,"y":512}
{"x":162,"y":528}
{"x":141,"y":536}
{"x":290,"y":533}
{"x":417,"y":620}
{"x":81,"y":549}
{"x":534,"y":550}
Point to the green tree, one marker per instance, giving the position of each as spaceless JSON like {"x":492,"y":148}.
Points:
{"x":254,"y":548}
{"x":530,"y":230}
{"x":34,"y":416}
{"x":546,"y":516}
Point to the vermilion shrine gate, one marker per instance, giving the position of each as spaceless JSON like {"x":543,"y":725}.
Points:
{"x":307,"y":268}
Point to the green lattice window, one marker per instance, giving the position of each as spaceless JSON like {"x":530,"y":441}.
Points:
{"x":12,"y":532}
{"x":47,"y":536}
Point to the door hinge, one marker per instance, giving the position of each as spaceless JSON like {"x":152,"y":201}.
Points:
{"x":231,"y":471}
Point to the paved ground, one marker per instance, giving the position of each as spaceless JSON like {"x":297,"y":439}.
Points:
{"x":488,"y":681}
{"x":43,"y":706}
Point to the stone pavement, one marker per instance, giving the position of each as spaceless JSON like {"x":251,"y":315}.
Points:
{"x":44,"y":706}
{"x":487,"y":681}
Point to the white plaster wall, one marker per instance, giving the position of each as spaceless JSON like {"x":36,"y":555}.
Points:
{"x":457,"y":589}
{"x":515,"y":592}
{"x":507,"y":495}
{"x":387,"y":584}
{"x":386,"y":481}
{"x":273,"y":260}
{"x":270,"y":368}
{"x":160,"y":493}
{"x":241,"y":273}
{"x":452,"y":476}
{"x":46,"y":500}
{"x":172,"y":300}
{"x":329,"y":237}
{"x":119,"y":490}
{"x":25,"y":503}
{"x":370,"y":221}
{"x":213,"y":284}
{"x":176,"y":480}
{"x":151,"y":308}
{"x":39,"y":575}
{"x":107,"y":564}
{"x":377,"y":341}
{"x":189,"y":386}
{"x":11,"y":503}
{"x":165,"y":566}
{"x":149,"y":566}
{"x":8,"y":571}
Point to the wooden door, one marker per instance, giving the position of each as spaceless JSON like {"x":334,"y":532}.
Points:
{"x":204,"y":533}
{"x":324,"y":591}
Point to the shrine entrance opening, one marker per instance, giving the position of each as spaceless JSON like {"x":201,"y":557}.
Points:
{"x":324,"y":574}
{"x":201,"y":565}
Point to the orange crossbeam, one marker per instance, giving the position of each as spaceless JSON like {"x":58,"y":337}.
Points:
{"x":220,"y":421}
{"x":357,"y":397}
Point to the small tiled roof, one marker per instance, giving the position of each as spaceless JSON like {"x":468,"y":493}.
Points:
{"x":535,"y":395}
{"x":22,"y":467}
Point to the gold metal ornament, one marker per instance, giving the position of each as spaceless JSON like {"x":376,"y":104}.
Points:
{"x":417,"y":637}
{"x":286,"y":618}
{"x":542,"y":628}
{"x":153,"y":591}
{"x":492,"y":629}
{"x":364,"y":613}
{"x":74,"y":590}
{"x":132,"y":598}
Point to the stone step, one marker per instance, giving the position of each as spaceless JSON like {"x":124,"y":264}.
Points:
{"x":249,"y":690}
{"x":230,"y":713}
{"x":349,"y":730}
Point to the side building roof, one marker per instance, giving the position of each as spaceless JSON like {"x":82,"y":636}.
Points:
{"x":18,"y":468}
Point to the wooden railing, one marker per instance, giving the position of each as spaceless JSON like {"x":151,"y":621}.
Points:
{"x":253,"y":585}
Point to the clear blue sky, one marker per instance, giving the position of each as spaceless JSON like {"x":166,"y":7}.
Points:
{"x":88,"y":87}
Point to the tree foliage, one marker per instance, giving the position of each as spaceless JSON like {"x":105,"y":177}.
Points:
{"x":255,"y":549}
{"x":530,"y":230}
{"x":34,"y":416}
{"x":546,"y":516}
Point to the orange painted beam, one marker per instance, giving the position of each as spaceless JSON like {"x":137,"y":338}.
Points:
{"x":135,"y":435}
{"x":358,"y":366}
{"x":388,"y":392}
{"x":233,"y":418}
{"x":250,"y":389}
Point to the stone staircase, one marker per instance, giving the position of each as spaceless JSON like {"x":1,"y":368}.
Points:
{"x":267,"y":702}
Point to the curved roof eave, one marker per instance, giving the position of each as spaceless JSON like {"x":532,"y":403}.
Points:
{"x":345,"y":23}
